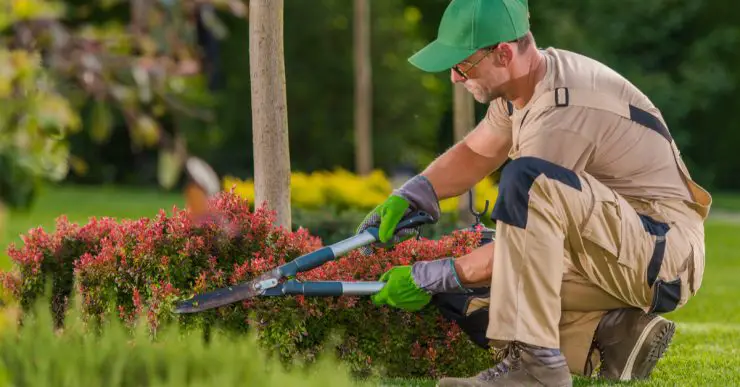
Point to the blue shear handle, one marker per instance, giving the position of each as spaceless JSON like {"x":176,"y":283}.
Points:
{"x":328,"y":253}
{"x":307,"y":262}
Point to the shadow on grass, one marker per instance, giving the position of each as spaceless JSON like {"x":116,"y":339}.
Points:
{"x":577,"y":382}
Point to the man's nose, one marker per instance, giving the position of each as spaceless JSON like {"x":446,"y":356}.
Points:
{"x":455,"y":77}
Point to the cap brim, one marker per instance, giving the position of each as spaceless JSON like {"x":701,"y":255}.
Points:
{"x":437,"y":57}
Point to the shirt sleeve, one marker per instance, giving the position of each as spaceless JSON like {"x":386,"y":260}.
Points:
{"x":492,"y":136}
{"x":497,"y":117}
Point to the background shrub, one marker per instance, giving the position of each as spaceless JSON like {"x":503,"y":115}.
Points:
{"x":137,"y":269}
{"x":341,"y":190}
{"x":333,"y":226}
{"x":332,"y":203}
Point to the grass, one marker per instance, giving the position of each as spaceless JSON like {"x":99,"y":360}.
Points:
{"x":726,"y":201}
{"x":704,"y":350}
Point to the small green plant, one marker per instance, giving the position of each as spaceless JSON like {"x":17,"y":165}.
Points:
{"x":35,"y":354}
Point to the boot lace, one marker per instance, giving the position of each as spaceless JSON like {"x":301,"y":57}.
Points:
{"x":589,"y":367}
{"x":507,"y":359}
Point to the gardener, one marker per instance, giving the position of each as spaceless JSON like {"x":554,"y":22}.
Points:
{"x":599,"y":227}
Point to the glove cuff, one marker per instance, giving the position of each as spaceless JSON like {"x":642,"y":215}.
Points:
{"x":437,"y":276}
{"x":420,"y":193}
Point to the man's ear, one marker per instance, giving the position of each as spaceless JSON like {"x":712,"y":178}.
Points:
{"x":503,"y":55}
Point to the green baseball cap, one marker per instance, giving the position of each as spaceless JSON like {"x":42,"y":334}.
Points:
{"x":469,"y":25}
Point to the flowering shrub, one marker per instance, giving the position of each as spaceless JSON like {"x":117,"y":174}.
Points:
{"x":344,"y":190}
{"x":340,"y":189}
{"x":138,"y":268}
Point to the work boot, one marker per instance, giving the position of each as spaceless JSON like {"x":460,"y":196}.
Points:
{"x":524,"y":365}
{"x":630,"y":343}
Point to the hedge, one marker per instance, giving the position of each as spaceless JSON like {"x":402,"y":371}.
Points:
{"x":138,"y":269}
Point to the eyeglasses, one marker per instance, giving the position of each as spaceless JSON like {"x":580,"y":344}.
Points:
{"x":470,"y":66}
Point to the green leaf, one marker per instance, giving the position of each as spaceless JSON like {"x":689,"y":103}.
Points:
{"x":17,"y":185}
{"x":169,"y":167}
{"x":146,"y":131}
{"x":101,"y":122}
{"x":55,"y":115}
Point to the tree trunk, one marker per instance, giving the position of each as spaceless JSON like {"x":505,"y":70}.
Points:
{"x":269,"y":109}
{"x":138,"y":17}
{"x":363,"y":89}
{"x":3,"y":218}
{"x":464,"y":121}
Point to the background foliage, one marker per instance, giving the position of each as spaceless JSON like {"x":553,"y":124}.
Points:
{"x":341,"y":190}
{"x":679,"y":53}
{"x":193,"y":90}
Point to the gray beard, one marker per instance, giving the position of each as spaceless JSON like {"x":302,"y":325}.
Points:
{"x":492,"y":96}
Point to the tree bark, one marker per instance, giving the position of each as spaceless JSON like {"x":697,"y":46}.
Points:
{"x":138,"y":17}
{"x":363,"y":88}
{"x":464,"y":121}
{"x":269,"y":109}
{"x":3,"y":221}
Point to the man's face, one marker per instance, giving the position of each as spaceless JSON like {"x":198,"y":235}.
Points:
{"x":482,"y":74}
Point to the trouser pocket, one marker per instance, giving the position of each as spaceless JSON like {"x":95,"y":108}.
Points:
{"x":604,"y":231}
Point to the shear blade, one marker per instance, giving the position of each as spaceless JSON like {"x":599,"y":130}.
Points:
{"x":223,"y":296}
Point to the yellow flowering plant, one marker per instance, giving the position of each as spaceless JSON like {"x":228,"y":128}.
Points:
{"x":342,"y":189}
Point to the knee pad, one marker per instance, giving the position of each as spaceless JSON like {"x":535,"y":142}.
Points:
{"x":469,"y":311}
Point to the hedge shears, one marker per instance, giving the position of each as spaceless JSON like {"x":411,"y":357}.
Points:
{"x":268,"y":284}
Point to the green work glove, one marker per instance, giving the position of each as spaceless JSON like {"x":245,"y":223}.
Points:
{"x":390,"y":213}
{"x":415,"y":194}
{"x":411,"y":288}
{"x":400,"y":291}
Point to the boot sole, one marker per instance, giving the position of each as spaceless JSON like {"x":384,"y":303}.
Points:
{"x":658,"y":333}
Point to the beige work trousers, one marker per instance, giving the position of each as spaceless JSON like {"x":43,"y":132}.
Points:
{"x":582,"y":252}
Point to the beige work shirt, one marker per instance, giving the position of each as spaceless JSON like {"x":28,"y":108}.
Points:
{"x":636,"y":162}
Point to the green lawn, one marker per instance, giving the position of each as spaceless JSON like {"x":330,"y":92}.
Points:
{"x":726,"y":201}
{"x":704,"y":351}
